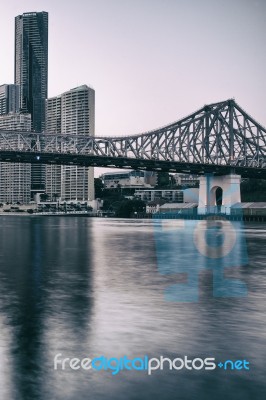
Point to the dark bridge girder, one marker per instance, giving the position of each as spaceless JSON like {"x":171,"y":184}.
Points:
{"x":218,"y":138}
{"x":129,"y":163}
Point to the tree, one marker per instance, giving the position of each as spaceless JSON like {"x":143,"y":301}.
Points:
{"x":106,"y":204}
{"x":98,"y":187}
{"x":128,"y":207}
{"x":253,"y":190}
{"x":163,"y":179}
{"x":55,"y":196}
{"x":44,"y":196}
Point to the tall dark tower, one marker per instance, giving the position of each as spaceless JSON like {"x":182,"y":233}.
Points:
{"x":31,"y":74}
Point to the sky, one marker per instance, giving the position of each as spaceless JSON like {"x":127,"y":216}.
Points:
{"x":151,"y":62}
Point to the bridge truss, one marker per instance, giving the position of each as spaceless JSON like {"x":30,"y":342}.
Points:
{"x":219,"y":138}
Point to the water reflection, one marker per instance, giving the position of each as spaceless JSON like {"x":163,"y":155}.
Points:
{"x":85,"y":287}
{"x":47,"y":293}
{"x":189,"y":247}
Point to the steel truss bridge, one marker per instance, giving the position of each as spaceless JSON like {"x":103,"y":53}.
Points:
{"x":219,"y":138}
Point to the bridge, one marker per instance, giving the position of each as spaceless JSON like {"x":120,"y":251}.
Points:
{"x":220,"y":141}
{"x":219,"y":138}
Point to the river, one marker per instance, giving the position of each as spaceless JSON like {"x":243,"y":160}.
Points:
{"x":89,"y":287}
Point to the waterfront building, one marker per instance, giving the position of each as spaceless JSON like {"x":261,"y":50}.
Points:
{"x":129,"y":179}
{"x":154,"y":206}
{"x":169,"y":195}
{"x":31,"y":74}
{"x":72,"y":112}
{"x":15,"y":178}
{"x":249,"y":209}
{"x":186,"y":179}
{"x":180,"y":208}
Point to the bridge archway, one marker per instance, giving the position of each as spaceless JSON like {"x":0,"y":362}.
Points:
{"x":218,"y":193}
{"x":219,"y":196}
{"x":216,"y":199}
{"x":216,"y":196}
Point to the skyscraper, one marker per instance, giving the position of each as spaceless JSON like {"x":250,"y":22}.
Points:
{"x":31,"y":72}
{"x":15,"y":178}
{"x":9,"y":99}
{"x":53,"y":173}
{"x":71,"y":113}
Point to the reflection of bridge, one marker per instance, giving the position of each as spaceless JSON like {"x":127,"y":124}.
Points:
{"x":217,"y":139}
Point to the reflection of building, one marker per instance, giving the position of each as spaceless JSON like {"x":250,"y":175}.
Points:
{"x":15,"y":178}
{"x":155,"y":194}
{"x":186,"y":179}
{"x":31,"y":72}
{"x":130,"y":179}
{"x":73,"y":112}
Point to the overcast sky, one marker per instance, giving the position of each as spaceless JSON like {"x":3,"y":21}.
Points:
{"x":150,"y":62}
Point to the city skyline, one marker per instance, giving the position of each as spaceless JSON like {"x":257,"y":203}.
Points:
{"x":147,"y":67}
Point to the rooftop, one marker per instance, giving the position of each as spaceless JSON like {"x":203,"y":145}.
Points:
{"x":250,"y":205}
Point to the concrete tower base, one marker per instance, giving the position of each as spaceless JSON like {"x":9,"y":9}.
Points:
{"x":230,"y":185}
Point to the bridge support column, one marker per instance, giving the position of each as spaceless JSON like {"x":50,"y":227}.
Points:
{"x":229,"y":193}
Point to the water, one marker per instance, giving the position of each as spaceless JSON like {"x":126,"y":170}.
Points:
{"x":85,"y":287}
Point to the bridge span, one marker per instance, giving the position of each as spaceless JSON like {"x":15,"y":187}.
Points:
{"x":220,"y":139}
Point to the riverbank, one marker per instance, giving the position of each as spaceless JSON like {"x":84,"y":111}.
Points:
{"x":53,"y":214}
{"x":194,"y":216}
{"x":216,"y":217}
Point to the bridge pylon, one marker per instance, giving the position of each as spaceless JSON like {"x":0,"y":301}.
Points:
{"x":218,"y":193}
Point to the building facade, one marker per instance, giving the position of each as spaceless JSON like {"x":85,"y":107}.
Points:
{"x":9,"y":99}
{"x":188,"y":180}
{"x":15,"y":178}
{"x":73,"y":112}
{"x":156,"y":194}
{"x":129,"y":179}
{"x":153,"y":207}
{"x":31,"y":74}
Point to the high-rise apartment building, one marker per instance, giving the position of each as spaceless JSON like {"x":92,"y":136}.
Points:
{"x":9,"y":99}
{"x":53,"y":173}
{"x":15,"y":178}
{"x":53,"y":115}
{"x":73,"y":112}
{"x":31,"y":73}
